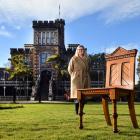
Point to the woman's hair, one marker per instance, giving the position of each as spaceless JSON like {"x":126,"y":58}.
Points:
{"x":79,"y":46}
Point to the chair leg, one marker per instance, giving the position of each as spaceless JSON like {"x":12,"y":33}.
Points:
{"x":81,"y":113}
{"x":132,"y":110}
{"x":115,"y":116}
{"x":76,"y":108}
{"x":106,"y":110}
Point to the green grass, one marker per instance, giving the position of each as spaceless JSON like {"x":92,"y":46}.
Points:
{"x":59,"y":122}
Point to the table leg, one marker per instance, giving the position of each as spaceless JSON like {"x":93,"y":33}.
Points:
{"x":115,"y":115}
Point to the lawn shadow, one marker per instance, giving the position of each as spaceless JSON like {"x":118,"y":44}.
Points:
{"x":126,"y":114}
{"x":38,"y":129}
{"x":11,"y":107}
{"x":136,"y":132}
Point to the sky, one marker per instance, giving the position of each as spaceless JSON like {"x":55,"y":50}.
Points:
{"x":101,"y":26}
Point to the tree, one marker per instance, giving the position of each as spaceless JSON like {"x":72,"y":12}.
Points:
{"x":138,"y":59}
{"x":97,"y":57}
{"x":19,"y":67}
{"x":138,"y":85}
{"x":60,"y":65}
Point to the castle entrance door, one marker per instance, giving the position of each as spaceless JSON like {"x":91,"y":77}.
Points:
{"x":44,"y":84}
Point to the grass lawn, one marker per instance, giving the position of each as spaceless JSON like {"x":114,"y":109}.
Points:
{"x":59,"y":122}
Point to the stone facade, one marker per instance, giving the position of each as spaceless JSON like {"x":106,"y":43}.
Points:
{"x":48,"y":39}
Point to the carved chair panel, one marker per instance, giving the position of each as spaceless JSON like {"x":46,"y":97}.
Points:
{"x":125,"y":79}
{"x":120,"y":68}
{"x":114,"y":75}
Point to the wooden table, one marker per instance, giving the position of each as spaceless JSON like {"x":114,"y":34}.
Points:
{"x":114,"y":94}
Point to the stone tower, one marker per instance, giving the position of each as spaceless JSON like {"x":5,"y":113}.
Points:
{"x":48,"y":39}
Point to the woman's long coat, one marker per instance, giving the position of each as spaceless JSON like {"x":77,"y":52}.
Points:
{"x":78,"y":69}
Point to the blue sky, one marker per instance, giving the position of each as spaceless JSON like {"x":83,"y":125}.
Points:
{"x":98,"y":25}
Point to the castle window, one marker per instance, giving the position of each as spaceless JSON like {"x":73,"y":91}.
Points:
{"x":55,"y":37}
{"x":43,"y":38}
{"x":48,"y":55}
{"x":39,"y":37}
{"x":1,"y":75}
{"x":27,"y":60}
{"x":43,"y":57}
{"x":6,"y":76}
{"x":94,"y":76}
{"x":48,"y":37}
{"x":35,"y":38}
{"x":51,"y":37}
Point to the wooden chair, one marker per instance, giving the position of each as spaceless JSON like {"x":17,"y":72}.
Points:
{"x":120,"y":81}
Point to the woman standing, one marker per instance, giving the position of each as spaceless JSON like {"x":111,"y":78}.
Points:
{"x":78,"y":69}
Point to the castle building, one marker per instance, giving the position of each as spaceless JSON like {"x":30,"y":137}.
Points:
{"x":48,"y":39}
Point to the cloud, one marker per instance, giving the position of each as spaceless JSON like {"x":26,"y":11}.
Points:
{"x":18,"y":27}
{"x":2,"y":27}
{"x":110,"y":49}
{"x":20,"y":12}
{"x":4,"y":32}
{"x":128,"y":46}
{"x":121,"y":10}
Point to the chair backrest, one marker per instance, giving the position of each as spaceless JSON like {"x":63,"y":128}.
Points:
{"x":120,"y":68}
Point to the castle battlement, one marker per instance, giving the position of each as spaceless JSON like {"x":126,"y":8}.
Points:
{"x":48,"y":24}
{"x":19,"y":51}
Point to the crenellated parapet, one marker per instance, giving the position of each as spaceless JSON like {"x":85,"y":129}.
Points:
{"x":14,"y":51}
{"x":48,"y":24}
